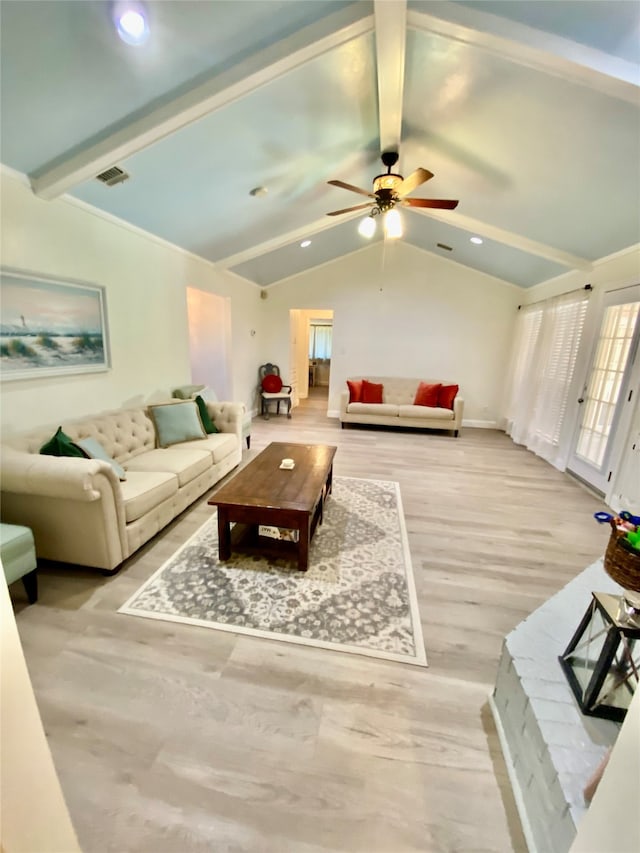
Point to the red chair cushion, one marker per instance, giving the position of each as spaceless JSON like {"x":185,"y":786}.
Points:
{"x":371,"y":392}
{"x":427,"y":394}
{"x":355,"y":390}
{"x":446,"y":396}
{"x":272,"y":383}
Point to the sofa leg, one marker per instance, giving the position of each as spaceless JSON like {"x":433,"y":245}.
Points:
{"x":455,"y":433}
{"x":248,"y":442}
{"x":30,"y":582}
{"x":341,"y":424}
{"x":107,"y":573}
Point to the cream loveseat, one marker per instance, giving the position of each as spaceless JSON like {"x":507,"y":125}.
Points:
{"x":397,"y":408}
{"x":81,"y":512}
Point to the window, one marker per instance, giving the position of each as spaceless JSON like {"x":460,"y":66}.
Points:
{"x":605,"y":383}
{"x":320,"y":337}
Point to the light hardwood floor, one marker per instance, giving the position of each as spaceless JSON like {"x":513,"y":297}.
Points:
{"x":171,"y":739}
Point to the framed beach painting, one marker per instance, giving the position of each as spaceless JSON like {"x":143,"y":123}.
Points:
{"x":50,"y":326}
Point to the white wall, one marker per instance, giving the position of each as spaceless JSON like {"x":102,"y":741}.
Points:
{"x":209,"y":345}
{"x":401,"y":311}
{"x":146,"y":281}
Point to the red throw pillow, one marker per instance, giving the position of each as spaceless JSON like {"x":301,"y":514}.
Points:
{"x":371,"y":392}
{"x":427,"y":394}
{"x":272,"y":383}
{"x":446,"y":396}
{"x":355,"y":390}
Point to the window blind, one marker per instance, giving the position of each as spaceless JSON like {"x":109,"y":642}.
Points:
{"x":546,"y":347}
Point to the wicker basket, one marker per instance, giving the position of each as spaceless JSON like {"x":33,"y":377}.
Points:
{"x":620,"y":564}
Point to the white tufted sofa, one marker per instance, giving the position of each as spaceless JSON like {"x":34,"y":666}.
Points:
{"x":397,"y":408}
{"x":78,"y":509}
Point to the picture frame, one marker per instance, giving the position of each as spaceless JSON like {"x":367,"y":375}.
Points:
{"x":51,"y":326}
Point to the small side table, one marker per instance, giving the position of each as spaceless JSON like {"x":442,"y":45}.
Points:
{"x":601,"y":662}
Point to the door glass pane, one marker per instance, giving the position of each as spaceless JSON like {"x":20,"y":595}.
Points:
{"x":604,"y":385}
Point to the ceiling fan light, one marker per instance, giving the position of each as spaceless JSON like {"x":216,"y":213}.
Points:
{"x":387,"y":182}
{"x":392,"y":224}
{"x":367,"y":227}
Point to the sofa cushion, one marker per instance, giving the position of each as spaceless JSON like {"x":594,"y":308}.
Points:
{"x":371,"y":392}
{"x":176,"y":422}
{"x":431,"y":412}
{"x":94,"y":450}
{"x":355,"y":390}
{"x":388,"y":410}
{"x":144,"y":490}
{"x":446,"y":395}
{"x":205,"y":417}
{"x":185,"y":463}
{"x":219,"y":445}
{"x":427,"y":394}
{"x":61,"y":445}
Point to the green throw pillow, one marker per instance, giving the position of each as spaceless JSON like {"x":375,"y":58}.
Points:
{"x":94,"y":450}
{"x":205,"y":417}
{"x":176,"y":422}
{"x":61,"y":445}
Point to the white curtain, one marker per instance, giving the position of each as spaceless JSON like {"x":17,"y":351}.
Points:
{"x":320,"y":341}
{"x":546,"y":346}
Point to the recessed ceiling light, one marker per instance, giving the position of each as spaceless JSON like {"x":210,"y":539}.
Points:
{"x":305,"y":243}
{"x":477,"y":240}
{"x":131,"y":22}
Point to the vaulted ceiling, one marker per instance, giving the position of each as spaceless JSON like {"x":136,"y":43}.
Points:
{"x":527,"y":112}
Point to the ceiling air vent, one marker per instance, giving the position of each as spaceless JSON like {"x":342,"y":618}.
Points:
{"x":114,"y":175}
{"x":444,"y":246}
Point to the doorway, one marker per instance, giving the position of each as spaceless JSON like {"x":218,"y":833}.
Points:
{"x":606,"y":401}
{"x":319,"y":352}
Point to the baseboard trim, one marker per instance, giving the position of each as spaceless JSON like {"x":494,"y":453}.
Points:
{"x":515,"y":785}
{"x":476,"y":424}
{"x":334,"y":413}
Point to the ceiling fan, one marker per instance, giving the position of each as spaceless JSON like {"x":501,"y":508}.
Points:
{"x":391,"y":189}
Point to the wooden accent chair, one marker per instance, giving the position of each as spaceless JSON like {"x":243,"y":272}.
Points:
{"x":271,"y":389}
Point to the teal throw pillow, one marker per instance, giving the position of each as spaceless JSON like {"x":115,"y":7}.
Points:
{"x":205,"y":417}
{"x":176,"y":422}
{"x":94,"y":450}
{"x":61,"y":445}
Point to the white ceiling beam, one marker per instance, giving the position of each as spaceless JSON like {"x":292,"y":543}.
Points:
{"x":391,"y":36}
{"x":304,"y":232}
{"x":532,"y":48}
{"x":145,"y":129}
{"x":507,"y":238}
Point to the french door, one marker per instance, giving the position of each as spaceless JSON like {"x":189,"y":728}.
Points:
{"x":606,"y":400}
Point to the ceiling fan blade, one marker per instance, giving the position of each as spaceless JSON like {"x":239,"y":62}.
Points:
{"x":351,"y":187}
{"x":444,"y":203}
{"x":349,"y":209}
{"x":414,"y":180}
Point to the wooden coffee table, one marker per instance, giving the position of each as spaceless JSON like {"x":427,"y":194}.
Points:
{"x":262,"y":493}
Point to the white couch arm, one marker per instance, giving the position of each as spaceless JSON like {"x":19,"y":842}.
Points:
{"x":53,"y":476}
{"x":227,"y":417}
{"x":344,"y":402}
{"x":458,"y":408}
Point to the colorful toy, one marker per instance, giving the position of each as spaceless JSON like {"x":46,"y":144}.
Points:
{"x":633,"y":537}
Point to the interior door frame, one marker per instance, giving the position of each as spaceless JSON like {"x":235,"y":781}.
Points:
{"x":623,"y":413}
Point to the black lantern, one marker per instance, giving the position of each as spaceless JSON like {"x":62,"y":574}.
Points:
{"x":602,"y":662}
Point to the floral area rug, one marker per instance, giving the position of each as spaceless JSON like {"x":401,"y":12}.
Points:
{"x":358,"y":594}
